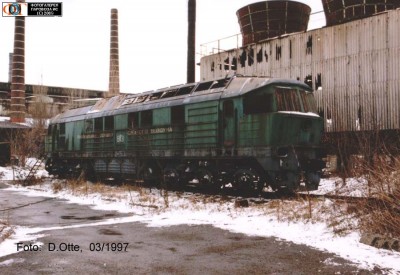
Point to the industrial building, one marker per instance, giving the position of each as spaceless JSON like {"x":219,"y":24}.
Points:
{"x":353,"y":63}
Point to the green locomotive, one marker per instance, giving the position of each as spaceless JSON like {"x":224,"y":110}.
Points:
{"x":244,"y":132}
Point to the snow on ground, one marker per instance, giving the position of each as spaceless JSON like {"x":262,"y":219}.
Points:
{"x":355,"y":187}
{"x":278,"y":218}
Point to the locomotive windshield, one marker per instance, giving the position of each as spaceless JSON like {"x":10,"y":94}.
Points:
{"x":296,"y":100}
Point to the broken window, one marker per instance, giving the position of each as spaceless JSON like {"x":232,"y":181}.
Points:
{"x":109,"y":123}
{"x":287,"y":99}
{"x":309,"y":45}
{"x":62,"y":128}
{"x":250,"y":57}
{"x":228,"y":108}
{"x":141,"y":98}
{"x":318,"y":81}
{"x":98,"y":124}
{"x":89,"y":125}
{"x":185,"y":90}
{"x":178,"y":115}
{"x":260,"y":56}
{"x":258,"y":103}
{"x":234,"y":64}
{"x":278,"y":52}
{"x":133,"y":120}
{"x":308,"y":81}
{"x":156,"y":96}
{"x":226,"y":64}
{"x":146,"y":118}
{"x":204,"y":86}
{"x":308,"y":100}
{"x":219,"y":83}
{"x":291,"y":99}
{"x":49,"y":130}
{"x":169,"y":93}
{"x":243,"y":58}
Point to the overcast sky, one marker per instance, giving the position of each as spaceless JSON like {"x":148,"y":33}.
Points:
{"x":73,"y":50}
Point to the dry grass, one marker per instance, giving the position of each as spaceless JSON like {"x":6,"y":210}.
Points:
{"x":382,"y":216}
{"x":136,"y":194}
{"x":6,"y":229}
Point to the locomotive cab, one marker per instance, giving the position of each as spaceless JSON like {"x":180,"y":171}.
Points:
{"x":281,"y":127}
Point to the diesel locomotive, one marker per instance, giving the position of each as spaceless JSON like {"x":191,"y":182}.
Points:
{"x":241,"y":132}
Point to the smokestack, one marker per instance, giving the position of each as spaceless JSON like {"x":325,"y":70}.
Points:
{"x":191,"y":56}
{"x":113,"y":88}
{"x":17,"y":106}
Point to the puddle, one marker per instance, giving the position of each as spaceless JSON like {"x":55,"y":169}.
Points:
{"x":90,"y":218}
{"x":108,"y":232}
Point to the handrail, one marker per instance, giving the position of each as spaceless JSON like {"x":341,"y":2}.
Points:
{"x":221,"y":45}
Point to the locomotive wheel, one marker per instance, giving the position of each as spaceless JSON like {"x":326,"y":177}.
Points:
{"x":312,"y":180}
{"x":171,"y":177}
{"x":150,"y":174}
{"x":205,"y":177}
{"x":247,"y":180}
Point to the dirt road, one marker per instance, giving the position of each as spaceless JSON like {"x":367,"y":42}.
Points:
{"x":75,"y":240}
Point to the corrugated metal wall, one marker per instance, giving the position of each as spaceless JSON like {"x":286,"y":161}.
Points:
{"x":357,"y":65}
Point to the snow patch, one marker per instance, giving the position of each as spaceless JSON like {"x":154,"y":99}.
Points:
{"x":156,"y":208}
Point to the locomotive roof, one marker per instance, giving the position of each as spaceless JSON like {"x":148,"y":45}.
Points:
{"x":175,"y":95}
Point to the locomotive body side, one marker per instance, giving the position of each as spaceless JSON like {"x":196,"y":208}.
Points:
{"x":247,"y":132}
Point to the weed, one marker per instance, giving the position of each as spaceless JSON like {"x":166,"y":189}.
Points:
{"x":382,"y":215}
{"x":5,"y":228}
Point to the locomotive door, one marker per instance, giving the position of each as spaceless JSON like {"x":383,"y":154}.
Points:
{"x":229,"y":125}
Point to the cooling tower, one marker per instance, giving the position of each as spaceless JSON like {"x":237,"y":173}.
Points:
{"x":341,"y":11}
{"x":268,"y":19}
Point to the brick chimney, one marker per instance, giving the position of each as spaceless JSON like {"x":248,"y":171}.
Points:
{"x":17,"y":106}
{"x":113,"y":88}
